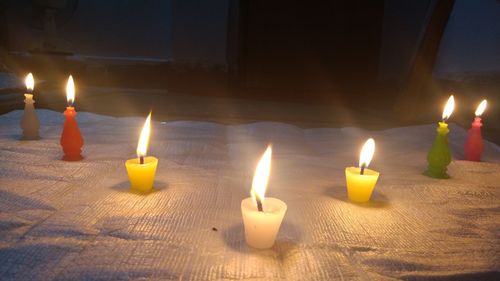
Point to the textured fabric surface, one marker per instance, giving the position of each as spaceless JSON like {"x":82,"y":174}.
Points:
{"x":78,"y":220}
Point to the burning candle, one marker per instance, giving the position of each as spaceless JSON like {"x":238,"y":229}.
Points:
{"x":439,"y":156}
{"x":474,"y":144}
{"x":29,"y":122}
{"x":71,"y":139}
{"x":141,"y":170}
{"x":361,"y":180}
{"x":262,"y":216}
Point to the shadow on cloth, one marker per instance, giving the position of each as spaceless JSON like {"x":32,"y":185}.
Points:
{"x":125,"y":187}
{"x":475,"y":276}
{"x":31,"y":261}
{"x":377,"y":201}
{"x":98,"y":273}
{"x":11,"y":202}
{"x":288,"y":238}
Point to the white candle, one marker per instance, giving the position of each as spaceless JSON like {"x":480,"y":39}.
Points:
{"x":262,"y":216}
{"x":29,"y":121}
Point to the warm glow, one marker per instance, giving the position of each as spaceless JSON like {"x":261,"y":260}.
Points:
{"x":481,"y":107}
{"x":448,"y":108}
{"x":142,"y":146}
{"x":367,"y":153}
{"x":30,"y":82}
{"x":261,"y":176}
{"x":70,"y":91}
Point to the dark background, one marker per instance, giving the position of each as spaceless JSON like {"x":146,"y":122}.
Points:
{"x":373,"y":63}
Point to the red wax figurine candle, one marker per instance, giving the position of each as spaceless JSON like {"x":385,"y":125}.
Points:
{"x":71,"y":139}
{"x":474,"y":146}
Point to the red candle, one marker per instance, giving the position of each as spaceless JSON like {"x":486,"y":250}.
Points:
{"x":71,"y":139}
{"x":474,"y":146}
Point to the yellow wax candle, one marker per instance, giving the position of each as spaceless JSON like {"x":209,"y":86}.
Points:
{"x":361,"y":181}
{"x":141,"y":171}
{"x":142,"y":176}
{"x":262,"y":216}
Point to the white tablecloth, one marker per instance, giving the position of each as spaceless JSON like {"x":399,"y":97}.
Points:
{"x":77,"y":220}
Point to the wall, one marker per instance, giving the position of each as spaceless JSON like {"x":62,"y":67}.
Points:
{"x":471,"y":42}
{"x":190,"y":31}
{"x":402,"y":28}
{"x":199,"y":31}
{"x":117,"y":28}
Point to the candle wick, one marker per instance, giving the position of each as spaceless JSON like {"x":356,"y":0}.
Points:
{"x":259,"y":205}
{"x":141,"y":160}
{"x":362,"y":171}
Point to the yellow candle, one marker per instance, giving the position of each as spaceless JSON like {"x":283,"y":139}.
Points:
{"x":262,"y":216}
{"x":360,"y":180}
{"x":142,"y":176}
{"x":141,"y":170}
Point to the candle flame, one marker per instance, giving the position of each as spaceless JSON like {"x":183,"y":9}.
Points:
{"x":30,"y":82}
{"x":70,"y":91}
{"x":366,"y":154}
{"x":261,"y":176}
{"x":142,"y":146}
{"x":448,"y":108}
{"x":480,"y":108}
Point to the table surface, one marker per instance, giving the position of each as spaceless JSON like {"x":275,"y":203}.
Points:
{"x":78,"y":220}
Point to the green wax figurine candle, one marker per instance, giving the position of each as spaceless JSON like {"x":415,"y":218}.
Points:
{"x":439,"y":156}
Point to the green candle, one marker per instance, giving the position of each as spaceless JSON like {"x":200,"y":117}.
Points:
{"x":439,"y":156}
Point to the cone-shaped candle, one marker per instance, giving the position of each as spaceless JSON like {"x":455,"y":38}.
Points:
{"x":71,"y":139}
{"x":361,"y":181}
{"x":474,"y":146}
{"x":141,"y":170}
{"x":262,"y":216}
{"x":439,"y":156}
{"x":29,"y":122}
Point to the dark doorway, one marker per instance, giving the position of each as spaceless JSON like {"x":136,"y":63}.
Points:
{"x":305,"y":50}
